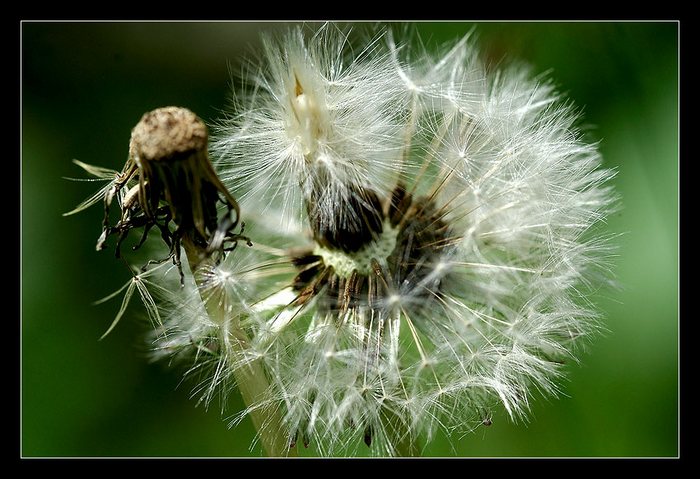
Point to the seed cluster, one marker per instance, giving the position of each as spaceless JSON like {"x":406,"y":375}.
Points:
{"x":419,"y":236}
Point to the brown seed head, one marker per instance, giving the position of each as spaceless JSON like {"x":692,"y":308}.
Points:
{"x":167,"y":133}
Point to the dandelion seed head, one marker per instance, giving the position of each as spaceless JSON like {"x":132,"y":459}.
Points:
{"x":454,"y":282}
{"x":424,"y":241}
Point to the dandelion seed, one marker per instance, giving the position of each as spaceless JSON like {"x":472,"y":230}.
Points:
{"x":138,"y":283}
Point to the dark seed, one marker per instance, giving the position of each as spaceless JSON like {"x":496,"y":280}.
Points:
{"x":368,"y":436}
{"x":400,"y":202}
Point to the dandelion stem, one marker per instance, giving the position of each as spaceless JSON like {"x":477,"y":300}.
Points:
{"x":250,"y":378}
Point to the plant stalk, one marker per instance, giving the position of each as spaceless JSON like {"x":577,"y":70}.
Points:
{"x":250,"y":378}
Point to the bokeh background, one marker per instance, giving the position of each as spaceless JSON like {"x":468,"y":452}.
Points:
{"x":85,"y":85}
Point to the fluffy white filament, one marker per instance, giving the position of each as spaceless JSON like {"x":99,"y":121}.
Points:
{"x":498,"y":311}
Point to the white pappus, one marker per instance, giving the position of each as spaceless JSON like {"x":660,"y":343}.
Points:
{"x":424,"y":240}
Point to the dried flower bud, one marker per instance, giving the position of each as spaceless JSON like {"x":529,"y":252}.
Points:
{"x":168,"y":178}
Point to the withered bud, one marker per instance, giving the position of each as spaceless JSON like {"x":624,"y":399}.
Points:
{"x":169,"y":147}
{"x":173,"y":180}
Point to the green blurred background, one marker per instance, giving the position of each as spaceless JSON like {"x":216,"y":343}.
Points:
{"x":85,"y":85}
